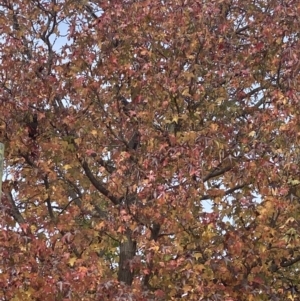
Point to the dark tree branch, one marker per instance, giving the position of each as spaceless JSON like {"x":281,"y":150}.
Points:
{"x":217,"y":172}
{"x":91,"y":11}
{"x":240,"y":30}
{"x":229,"y":191}
{"x":97,"y":184}
{"x":287,"y":263}
{"x":48,"y":201}
{"x":17,"y":216}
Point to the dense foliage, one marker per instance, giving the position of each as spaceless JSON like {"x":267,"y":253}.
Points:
{"x":152,"y":150}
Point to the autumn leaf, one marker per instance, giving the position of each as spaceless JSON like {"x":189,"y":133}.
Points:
{"x":151,"y":150}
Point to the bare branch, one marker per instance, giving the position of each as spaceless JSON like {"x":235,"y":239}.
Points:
{"x":48,"y":201}
{"x":17,"y":216}
{"x":217,"y":172}
{"x":229,"y":191}
{"x":97,"y":184}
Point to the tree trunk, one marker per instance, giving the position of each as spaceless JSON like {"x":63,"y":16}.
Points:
{"x":127,"y":252}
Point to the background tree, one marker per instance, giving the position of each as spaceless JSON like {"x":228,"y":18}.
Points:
{"x":121,"y":119}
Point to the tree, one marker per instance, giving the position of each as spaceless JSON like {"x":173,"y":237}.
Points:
{"x":121,"y":121}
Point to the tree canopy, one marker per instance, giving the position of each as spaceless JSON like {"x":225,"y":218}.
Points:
{"x":151,"y":150}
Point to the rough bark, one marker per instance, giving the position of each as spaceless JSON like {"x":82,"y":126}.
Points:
{"x":127,"y":252}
